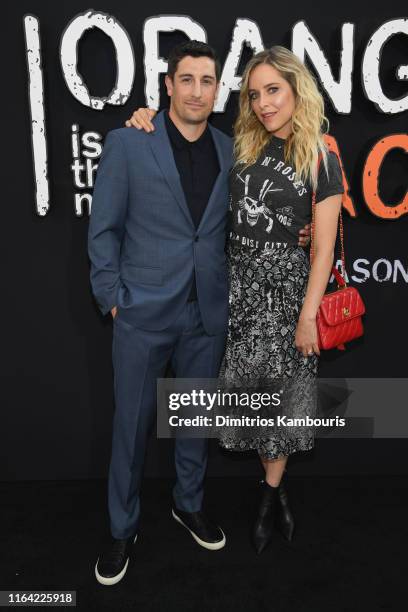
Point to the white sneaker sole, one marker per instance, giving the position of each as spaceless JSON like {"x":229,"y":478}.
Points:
{"x":207,"y":545}
{"x":113,"y":579}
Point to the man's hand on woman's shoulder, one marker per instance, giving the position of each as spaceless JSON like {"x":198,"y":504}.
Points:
{"x":141,"y":119}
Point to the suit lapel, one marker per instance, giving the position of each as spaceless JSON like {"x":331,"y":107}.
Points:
{"x":218,"y":181}
{"x":163,"y":152}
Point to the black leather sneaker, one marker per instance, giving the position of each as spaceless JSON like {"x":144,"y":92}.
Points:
{"x":206,"y":533}
{"x":111,"y":566}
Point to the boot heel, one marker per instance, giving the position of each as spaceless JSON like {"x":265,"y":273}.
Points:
{"x":285,"y":522}
{"x":266,"y":515}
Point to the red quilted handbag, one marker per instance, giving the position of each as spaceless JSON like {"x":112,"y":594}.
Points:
{"x":339,"y":318}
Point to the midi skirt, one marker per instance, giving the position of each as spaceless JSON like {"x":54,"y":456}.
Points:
{"x":267,"y":290}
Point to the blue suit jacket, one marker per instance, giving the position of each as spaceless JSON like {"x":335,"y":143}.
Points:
{"x":142,"y":242}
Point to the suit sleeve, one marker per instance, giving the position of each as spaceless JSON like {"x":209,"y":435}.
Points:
{"x":107,"y":222}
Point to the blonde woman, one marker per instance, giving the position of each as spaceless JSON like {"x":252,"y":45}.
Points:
{"x":274,"y":292}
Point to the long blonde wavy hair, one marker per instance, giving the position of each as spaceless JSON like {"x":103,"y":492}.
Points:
{"x":303,"y":145}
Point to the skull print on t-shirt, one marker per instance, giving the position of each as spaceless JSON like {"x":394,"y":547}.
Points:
{"x":268,"y":205}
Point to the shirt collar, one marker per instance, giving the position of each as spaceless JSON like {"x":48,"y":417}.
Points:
{"x":177,"y":138}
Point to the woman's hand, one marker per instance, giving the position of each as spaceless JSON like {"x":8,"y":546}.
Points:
{"x":141,"y":119}
{"x":306,"y":339}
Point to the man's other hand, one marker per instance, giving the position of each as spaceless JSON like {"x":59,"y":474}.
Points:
{"x":304,"y":236}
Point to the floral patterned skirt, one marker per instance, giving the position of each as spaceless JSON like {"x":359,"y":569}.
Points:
{"x":267,"y":290}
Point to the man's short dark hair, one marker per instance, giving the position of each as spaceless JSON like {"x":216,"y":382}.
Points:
{"x":193,"y":48}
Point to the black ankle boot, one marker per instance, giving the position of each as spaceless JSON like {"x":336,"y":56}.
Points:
{"x":284,"y":517}
{"x":265,"y":520}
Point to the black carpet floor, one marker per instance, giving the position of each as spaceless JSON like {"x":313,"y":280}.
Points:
{"x":349,"y":551}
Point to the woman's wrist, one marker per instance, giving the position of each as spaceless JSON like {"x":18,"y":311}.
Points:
{"x":307,"y":317}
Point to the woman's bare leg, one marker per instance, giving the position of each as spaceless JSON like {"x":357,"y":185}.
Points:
{"x":274,"y":469}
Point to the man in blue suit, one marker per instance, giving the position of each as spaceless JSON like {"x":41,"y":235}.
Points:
{"x":156,"y":244}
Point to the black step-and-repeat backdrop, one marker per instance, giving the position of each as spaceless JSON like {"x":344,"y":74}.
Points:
{"x":70,"y":74}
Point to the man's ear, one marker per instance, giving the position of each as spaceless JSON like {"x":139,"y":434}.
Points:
{"x":169,"y":85}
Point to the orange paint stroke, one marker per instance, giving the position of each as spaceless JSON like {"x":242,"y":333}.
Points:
{"x":371,"y":175}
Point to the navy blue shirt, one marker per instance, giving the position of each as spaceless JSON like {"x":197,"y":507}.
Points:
{"x":198,"y":167}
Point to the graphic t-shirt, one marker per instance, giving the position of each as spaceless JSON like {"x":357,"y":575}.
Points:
{"x":268,"y":206}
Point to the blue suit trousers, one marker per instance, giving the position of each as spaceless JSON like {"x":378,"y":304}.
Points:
{"x":139,"y":358}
